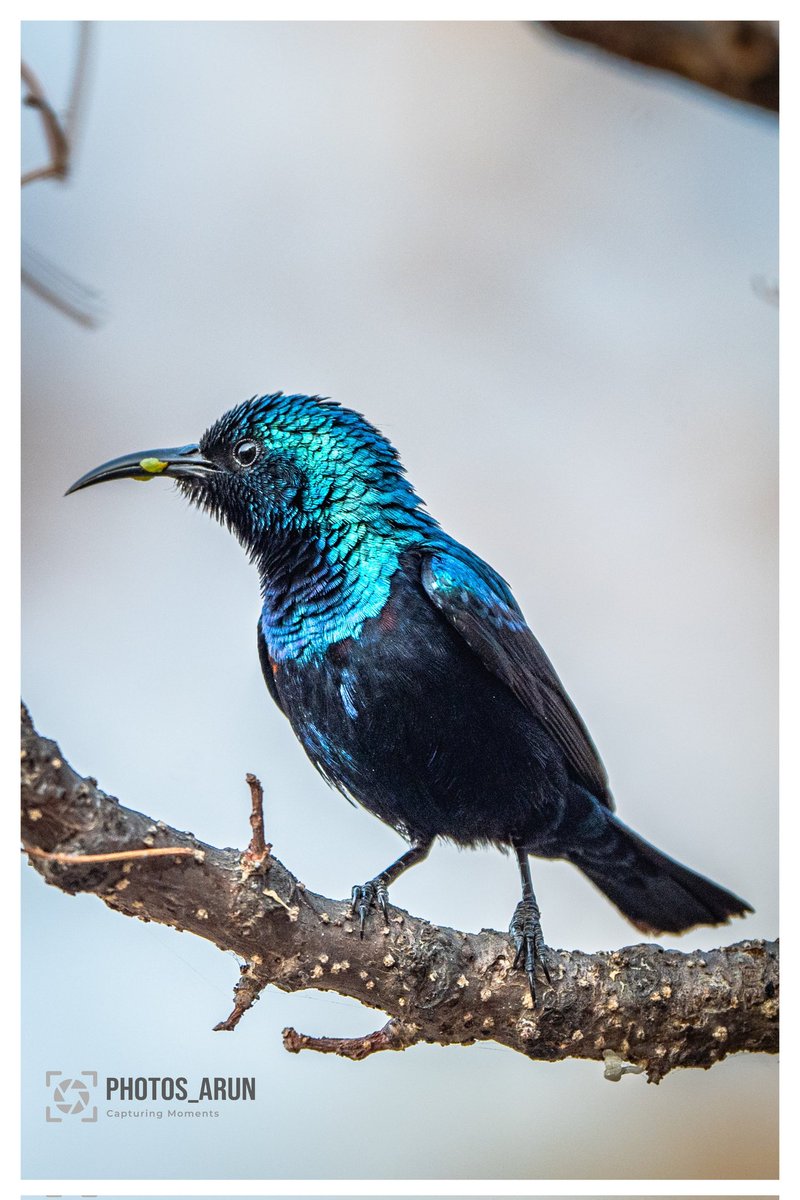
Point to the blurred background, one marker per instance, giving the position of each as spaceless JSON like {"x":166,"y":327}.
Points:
{"x":549,"y":278}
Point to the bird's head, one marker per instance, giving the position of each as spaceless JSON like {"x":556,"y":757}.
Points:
{"x":285,"y":465}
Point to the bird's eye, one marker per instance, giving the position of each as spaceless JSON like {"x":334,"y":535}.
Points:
{"x":246,"y":452}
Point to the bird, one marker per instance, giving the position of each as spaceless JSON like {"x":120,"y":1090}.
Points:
{"x":406,"y":667}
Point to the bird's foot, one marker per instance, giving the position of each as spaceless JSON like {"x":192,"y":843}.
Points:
{"x":526,"y":930}
{"x":365,"y":896}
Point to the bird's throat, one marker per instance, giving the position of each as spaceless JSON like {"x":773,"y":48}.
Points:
{"x":319,"y":591}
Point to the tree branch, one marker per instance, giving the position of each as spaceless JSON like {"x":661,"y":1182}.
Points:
{"x":657,"y":1009}
{"x":59,"y":132}
{"x":57,"y":141}
{"x":738,"y":58}
{"x":43,"y":277}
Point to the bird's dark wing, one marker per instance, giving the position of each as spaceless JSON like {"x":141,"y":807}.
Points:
{"x":479,"y":604}
{"x":268,"y":669}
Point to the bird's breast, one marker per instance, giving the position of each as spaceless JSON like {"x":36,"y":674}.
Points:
{"x":405,"y":719}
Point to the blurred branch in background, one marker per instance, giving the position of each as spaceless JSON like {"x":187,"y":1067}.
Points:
{"x":63,"y":291}
{"x":59,"y":131}
{"x":642,"y":1005}
{"x":738,"y":58}
{"x":50,"y":282}
{"x":55,"y":135}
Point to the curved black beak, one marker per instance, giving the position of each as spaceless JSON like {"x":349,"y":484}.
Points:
{"x":180,"y":462}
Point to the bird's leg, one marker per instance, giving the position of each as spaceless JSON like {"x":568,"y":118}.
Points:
{"x":376,"y":891}
{"x":526,"y":928}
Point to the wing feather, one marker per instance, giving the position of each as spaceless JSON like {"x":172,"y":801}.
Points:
{"x":478,"y":603}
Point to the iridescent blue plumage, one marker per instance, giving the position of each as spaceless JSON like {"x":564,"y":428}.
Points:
{"x":326,"y":514}
{"x":406,"y":667}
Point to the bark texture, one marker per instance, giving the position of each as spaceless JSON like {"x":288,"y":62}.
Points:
{"x":651,"y":1008}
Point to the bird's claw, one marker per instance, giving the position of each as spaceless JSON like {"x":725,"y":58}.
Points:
{"x":526,"y":930}
{"x":365,"y":896}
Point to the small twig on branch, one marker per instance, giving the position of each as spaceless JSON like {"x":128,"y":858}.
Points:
{"x":117,"y":856}
{"x":257,"y":853}
{"x":245,"y":994}
{"x":393,"y":1036}
{"x":642,"y":1005}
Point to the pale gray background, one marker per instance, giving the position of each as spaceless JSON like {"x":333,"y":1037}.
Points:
{"x":541,"y":274}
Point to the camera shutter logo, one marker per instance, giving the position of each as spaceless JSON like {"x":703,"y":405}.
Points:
{"x":71,"y":1096}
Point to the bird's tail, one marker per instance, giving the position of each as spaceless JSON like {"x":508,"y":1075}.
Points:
{"x":655,"y":892}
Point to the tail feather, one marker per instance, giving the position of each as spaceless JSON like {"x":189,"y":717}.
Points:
{"x":656,"y":893}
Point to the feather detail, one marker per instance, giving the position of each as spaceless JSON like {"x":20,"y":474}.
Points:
{"x":478,"y":604}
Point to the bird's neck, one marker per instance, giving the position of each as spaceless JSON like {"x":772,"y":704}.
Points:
{"x":320,"y":588}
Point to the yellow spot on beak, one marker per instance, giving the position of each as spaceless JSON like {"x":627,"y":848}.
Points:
{"x":153,"y":466}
